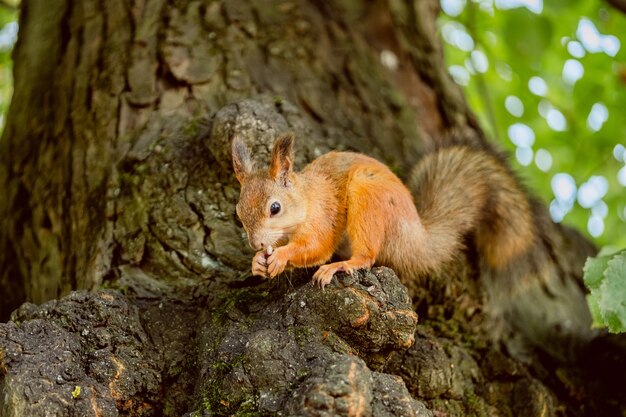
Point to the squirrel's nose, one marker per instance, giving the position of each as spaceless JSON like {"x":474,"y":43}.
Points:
{"x":255,"y":244}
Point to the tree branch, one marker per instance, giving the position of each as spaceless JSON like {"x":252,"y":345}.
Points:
{"x":618,"y":4}
{"x":7,"y":5}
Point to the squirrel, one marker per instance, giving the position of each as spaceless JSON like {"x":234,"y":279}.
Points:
{"x":352,"y":205}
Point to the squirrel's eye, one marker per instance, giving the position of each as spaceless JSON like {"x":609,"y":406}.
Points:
{"x":275,"y":208}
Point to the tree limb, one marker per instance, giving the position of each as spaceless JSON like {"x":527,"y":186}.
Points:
{"x":618,"y":4}
{"x":7,"y":5}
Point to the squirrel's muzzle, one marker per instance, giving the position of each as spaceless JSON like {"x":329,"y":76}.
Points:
{"x":255,"y":243}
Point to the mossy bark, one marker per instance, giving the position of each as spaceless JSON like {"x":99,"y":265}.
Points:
{"x":116,"y":173}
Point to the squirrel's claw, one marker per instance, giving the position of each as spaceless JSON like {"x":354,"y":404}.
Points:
{"x":275,"y":263}
{"x":259,"y":265}
{"x":325,"y":273}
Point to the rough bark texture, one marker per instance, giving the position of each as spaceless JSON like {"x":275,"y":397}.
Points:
{"x":115,"y":168}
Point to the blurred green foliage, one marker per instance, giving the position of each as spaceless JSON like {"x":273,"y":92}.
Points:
{"x":569,"y":155}
{"x":8,"y":29}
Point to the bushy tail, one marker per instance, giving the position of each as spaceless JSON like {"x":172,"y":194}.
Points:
{"x":460,"y":190}
{"x":534,"y":299}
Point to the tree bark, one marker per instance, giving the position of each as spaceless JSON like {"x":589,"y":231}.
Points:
{"x":116,"y":168}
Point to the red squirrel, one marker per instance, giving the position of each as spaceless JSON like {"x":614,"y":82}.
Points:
{"x":352,"y":205}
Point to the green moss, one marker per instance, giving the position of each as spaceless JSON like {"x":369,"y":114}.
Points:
{"x":226,"y":366}
{"x":475,"y":405}
{"x":212,"y":400}
{"x":447,"y":328}
{"x":192,"y":127}
{"x":302,"y":334}
{"x":447,"y":407}
{"x":224,"y":306}
{"x":169,"y":409}
{"x":302,"y":373}
{"x":175,"y":370}
{"x":215,"y":405}
{"x":247,"y":408}
{"x":240,"y":299}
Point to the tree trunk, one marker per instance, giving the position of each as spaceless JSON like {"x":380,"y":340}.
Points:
{"x":115,"y":163}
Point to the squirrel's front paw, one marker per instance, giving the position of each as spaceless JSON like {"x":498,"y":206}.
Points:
{"x":276,"y":262}
{"x":259,"y":264}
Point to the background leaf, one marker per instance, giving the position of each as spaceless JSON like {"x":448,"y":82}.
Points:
{"x":605,"y":276}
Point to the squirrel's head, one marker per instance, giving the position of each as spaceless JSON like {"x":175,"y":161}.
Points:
{"x":270,"y":205}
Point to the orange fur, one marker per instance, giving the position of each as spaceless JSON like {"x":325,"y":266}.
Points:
{"x":351,"y":203}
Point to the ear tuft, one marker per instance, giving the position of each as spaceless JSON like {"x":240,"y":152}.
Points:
{"x":282,"y":159}
{"x":242,"y":163}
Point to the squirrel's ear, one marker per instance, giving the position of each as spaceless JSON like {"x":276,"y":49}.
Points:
{"x":242,"y":163}
{"x":282,"y":159}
